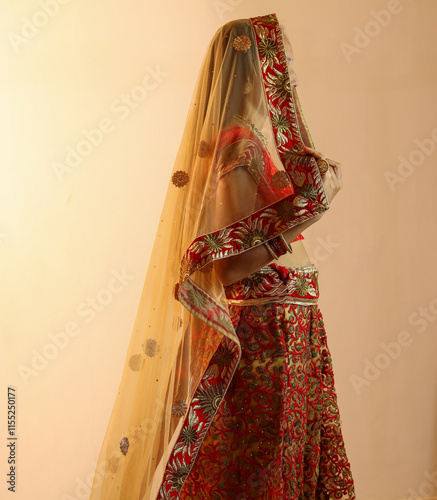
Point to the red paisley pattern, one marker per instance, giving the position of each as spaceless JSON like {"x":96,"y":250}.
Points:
{"x":275,"y":433}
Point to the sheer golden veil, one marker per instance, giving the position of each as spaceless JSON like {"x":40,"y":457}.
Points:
{"x":237,"y":182}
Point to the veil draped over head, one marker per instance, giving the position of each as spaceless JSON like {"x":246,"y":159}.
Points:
{"x":237,"y":182}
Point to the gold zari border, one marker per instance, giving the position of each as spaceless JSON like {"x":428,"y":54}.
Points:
{"x":286,"y":299}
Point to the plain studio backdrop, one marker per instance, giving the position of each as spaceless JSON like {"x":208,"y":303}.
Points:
{"x":93,"y":98}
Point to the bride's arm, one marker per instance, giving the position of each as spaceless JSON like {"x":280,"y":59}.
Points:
{"x":237,"y":267}
{"x":236,"y":193}
{"x":235,"y":198}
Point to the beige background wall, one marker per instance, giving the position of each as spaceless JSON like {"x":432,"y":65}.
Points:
{"x":76,"y":228}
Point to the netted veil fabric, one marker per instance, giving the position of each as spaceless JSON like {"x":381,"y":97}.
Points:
{"x":237,"y":182}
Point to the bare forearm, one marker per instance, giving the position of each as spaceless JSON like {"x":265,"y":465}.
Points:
{"x":237,"y":267}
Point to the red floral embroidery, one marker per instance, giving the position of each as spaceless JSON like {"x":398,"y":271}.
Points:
{"x":267,"y":427}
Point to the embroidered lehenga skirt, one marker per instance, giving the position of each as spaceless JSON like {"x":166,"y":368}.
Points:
{"x":276,"y":433}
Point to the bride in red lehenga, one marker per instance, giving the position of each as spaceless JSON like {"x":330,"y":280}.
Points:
{"x":228,"y":389}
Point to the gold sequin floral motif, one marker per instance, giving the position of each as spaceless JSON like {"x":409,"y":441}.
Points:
{"x":280,"y":180}
{"x":242,"y":43}
{"x":286,"y":211}
{"x":301,"y":285}
{"x":253,"y":237}
{"x":178,"y":408}
{"x":150,"y":347}
{"x":308,"y":191}
{"x":180,"y":178}
{"x":247,"y":88}
{"x":223,"y":356}
{"x":124,"y":445}
{"x":281,"y":122}
{"x":203,"y":149}
{"x":135,"y":362}
{"x":267,"y":48}
{"x":214,"y":242}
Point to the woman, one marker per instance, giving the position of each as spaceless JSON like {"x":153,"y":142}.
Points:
{"x":228,"y":390}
